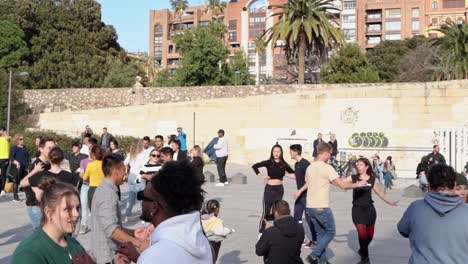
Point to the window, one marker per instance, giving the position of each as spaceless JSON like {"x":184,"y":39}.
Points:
{"x":158,"y":41}
{"x":393,"y":25}
{"x":171,"y":49}
{"x":349,"y":33}
{"x":349,"y":5}
{"x":434,"y":5}
{"x":349,"y":18}
{"x":373,"y":40}
{"x":415,"y":13}
{"x":232,"y":36}
{"x":232,"y":24}
{"x":393,"y":13}
{"x":393,"y":36}
{"x":256,"y":32}
{"x":257,"y":20}
{"x":373,"y":16}
{"x":453,"y":3}
{"x":374,"y":27}
{"x":204,"y":23}
{"x":251,"y":47}
{"x":415,"y":25}
{"x":158,"y":52}
{"x":434,"y":21}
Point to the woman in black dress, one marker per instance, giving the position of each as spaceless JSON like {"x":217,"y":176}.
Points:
{"x":197,"y":162}
{"x":363,"y":212}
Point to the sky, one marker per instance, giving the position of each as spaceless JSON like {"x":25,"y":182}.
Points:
{"x":131,"y":20}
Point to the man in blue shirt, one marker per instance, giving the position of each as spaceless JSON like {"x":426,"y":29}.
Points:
{"x":182,"y":137}
{"x":300,"y":168}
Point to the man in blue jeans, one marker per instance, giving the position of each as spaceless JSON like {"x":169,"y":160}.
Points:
{"x":319,"y":176}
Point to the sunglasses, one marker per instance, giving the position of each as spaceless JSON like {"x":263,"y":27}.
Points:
{"x":21,"y":139}
{"x":155,"y":156}
{"x":141,"y":197}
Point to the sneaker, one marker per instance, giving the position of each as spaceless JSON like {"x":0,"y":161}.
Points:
{"x":310,"y":244}
{"x":305,"y":242}
{"x":84,"y":230}
{"x":16,"y":200}
{"x":312,"y":260}
{"x":226,"y":183}
{"x":219,"y":184}
{"x":2,"y":194}
{"x":365,"y":261}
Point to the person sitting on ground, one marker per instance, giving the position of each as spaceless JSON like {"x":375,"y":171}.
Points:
{"x":172,"y":201}
{"x":461,"y":188}
{"x":436,"y":225}
{"x":214,"y":227}
{"x":53,"y":242}
{"x":281,"y":242}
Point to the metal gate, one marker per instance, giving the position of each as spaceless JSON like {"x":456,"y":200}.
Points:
{"x":453,"y":143}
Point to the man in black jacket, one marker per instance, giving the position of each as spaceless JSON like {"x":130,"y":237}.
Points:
{"x":316,"y":144}
{"x":281,"y":242}
{"x":434,"y":158}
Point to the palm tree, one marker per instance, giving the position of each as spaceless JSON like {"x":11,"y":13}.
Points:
{"x":216,"y":7}
{"x":179,"y":7}
{"x":304,"y":27}
{"x":453,"y":47}
{"x":260,"y":48}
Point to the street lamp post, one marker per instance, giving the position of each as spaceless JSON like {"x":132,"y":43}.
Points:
{"x":21,"y":74}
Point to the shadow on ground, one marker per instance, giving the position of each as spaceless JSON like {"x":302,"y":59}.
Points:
{"x":232,"y":257}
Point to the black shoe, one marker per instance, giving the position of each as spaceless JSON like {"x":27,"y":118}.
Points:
{"x":364,"y":261}
{"x":312,"y":260}
{"x":360,"y":253}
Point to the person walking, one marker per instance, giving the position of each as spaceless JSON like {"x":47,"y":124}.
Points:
{"x":436,"y":225}
{"x":4,"y":158}
{"x":388,"y":171}
{"x":276,"y":168}
{"x":53,"y":242}
{"x":136,"y":160}
{"x":213,"y":226}
{"x":316,"y":143}
{"x":434,"y":158}
{"x":93,"y":172}
{"x":182,"y":137}
{"x":319,"y":176}
{"x":281,"y":241}
{"x":363,"y":211}
{"x":172,"y":202}
{"x":106,"y":138}
{"x":334,"y":143}
{"x":378,"y":167}
{"x":107,"y":232}
{"x":221,"y":150}
{"x":197,"y":162}
{"x":300,"y":168}
{"x":19,"y":156}
{"x":39,"y":164}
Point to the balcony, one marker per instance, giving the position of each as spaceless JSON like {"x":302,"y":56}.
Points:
{"x":374,"y":31}
{"x":373,"y":18}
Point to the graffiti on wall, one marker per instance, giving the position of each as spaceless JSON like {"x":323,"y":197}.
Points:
{"x":349,"y":116}
{"x":368,"y":140}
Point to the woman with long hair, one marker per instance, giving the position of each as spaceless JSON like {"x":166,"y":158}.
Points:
{"x":276,"y":168}
{"x":197,"y":162}
{"x":52,"y":242}
{"x":136,"y":159}
{"x":19,"y":157}
{"x":114,"y":148}
{"x":94,"y":172}
{"x":363,"y":211}
{"x":388,"y":170}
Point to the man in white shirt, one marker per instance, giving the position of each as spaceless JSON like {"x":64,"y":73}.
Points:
{"x":85,"y":147}
{"x":146,"y":145}
{"x":221,"y":157}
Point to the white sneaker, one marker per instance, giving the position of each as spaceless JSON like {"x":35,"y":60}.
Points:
{"x":226,"y":183}
{"x":2,"y":194}
{"x":220,"y":184}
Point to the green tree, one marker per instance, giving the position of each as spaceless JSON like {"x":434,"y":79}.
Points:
{"x":122,"y":74}
{"x":349,"y":65}
{"x":453,"y":46}
{"x":13,"y":48}
{"x":239,"y":70}
{"x":203,"y":55}
{"x":163,"y":79}
{"x":386,"y":58}
{"x":216,"y":7}
{"x":305,"y":28}
{"x":420,"y":63}
{"x":179,"y":7}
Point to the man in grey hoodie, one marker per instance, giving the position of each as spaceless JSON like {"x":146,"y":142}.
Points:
{"x":436,"y":225}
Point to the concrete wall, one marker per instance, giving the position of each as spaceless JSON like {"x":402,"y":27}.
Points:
{"x":403,"y":120}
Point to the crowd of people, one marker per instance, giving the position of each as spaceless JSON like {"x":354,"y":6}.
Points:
{"x":78,"y":191}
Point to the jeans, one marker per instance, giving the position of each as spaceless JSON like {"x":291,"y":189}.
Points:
{"x":299,"y":208}
{"x":133,"y":189}
{"x":132,"y":195}
{"x":325,"y":226}
{"x":84,"y":204}
{"x":388,"y":179}
{"x":35,"y":216}
{"x":221,"y":166}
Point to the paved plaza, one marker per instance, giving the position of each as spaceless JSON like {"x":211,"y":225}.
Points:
{"x":241,"y":210}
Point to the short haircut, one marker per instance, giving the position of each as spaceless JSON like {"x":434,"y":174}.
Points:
{"x":93,"y":141}
{"x":146,"y":138}
{"x":435,"y":146}
{"x":179,"y":187}
{"x":87,"y":135}
{"x":111,"y":162}
{"x":56,"y":155}
{"x":44,"y":140}
{"x":377,"y":157}
{"x":75,"y":144}
{"x":97,"y":152}
{"x":116,"y":143}
{"x":177,"y":142}
{"x":441,"y":176}
{"x":160,"y":137}
{"x":324,"y":147}
{"x":282,"y":207}
{"x":296,"y":148}
{"x":167,"y":151}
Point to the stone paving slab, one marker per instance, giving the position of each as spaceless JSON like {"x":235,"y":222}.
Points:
{"x":241,"y":210}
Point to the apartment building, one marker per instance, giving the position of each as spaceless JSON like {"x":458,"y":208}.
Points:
{"x":439,"y":12}
{"x":348,"y":20}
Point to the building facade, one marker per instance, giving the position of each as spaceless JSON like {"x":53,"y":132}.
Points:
{"x":348,"y":20}
{"x":439,"y":12}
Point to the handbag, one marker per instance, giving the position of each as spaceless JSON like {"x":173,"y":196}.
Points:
{"x":8,"y":187}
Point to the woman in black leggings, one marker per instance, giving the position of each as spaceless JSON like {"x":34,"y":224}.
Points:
{"x":363,"y":211}
{"x":277,"y":168}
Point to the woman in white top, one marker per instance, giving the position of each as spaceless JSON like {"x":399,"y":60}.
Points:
{"x":136,"y":159}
